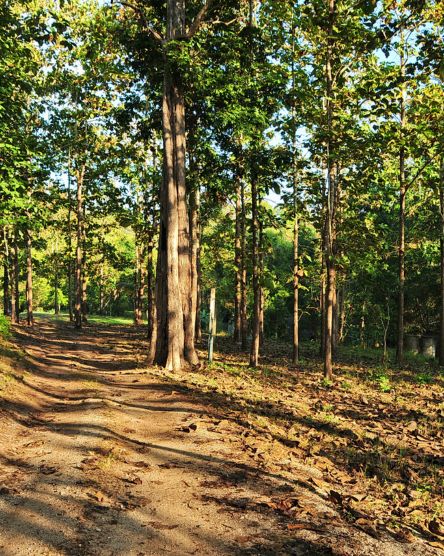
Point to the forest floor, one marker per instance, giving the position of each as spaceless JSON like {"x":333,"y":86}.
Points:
{"x":102,"y":455}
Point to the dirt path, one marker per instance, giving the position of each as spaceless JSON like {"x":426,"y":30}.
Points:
{"x":101,"y":456}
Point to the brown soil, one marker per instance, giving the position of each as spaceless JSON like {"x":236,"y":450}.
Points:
{"x":100,"y":455}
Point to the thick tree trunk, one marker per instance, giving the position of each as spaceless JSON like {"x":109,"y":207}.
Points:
{"x":29,"y":284}
{"x":255,"y":332}
{"x":174,"y":292}
{"x":79,"y":257}
{"x":441,"y":199}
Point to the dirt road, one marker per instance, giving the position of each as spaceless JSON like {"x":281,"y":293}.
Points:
{"x":100,"y":455}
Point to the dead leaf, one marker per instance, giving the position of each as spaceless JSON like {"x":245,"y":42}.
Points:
{"x":187,"y":428}
{"x":161,"y":526}
{"x":367,"y":526}
{"x":305,"y":526}
{"x":436,"y":528}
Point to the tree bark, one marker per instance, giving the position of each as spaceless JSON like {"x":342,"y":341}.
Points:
{"x":15,"y":272}
{"x":56,"y":287}
{"x":6,"y":277}
{"x":255,"y":340}
{"x":243,"y":265}
{"x":238,"y":265}
{"x":84,"y":304}
{"x":29,"y":284}
{"x":402,"y":195}
{"x":194,"y":254}
{"x":79,"y":257}
{"x":70,"y":265}
{"x":174,"y":294}
{"x":331,"y":202}
{"x":441,"y":204}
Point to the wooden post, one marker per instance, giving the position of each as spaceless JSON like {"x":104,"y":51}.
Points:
{"x":212,"y":324}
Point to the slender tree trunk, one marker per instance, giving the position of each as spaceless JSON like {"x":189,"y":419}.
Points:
{"x":295,"y":206}
{"x":150,"y":296}
{"x":441,"y":199}
{"x":6,"y":275}
{"x":342,"y":315}
{"x":255,"y":340}
{"x":101,"y":286}
{"x":194,"y":254}
{"x":238,"y":265}
{"x":79,"y":257}
{"x":402,"y":194}
{"x":174,"y":296}
{"x":331,"y":204}
{"x":322,"y":304}
{"x":335,"y":331}
{"x":243,"y":263}
{"x":84,"y":305}
{"x":362,"y":327}
{"x":16,"y":291}
{"x":29,"y":284}
{"x":70,"y":265}
{"x":138,"y":288}
{"x":56,"y":287}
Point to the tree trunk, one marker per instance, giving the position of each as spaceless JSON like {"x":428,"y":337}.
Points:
{"x":255,"y":340}
{"x":174,"y":293}
{"x":16,"y":292}
{"x":56,"y":287}
{"x":331,"y":203}
{"x":342,"y":315}
{"x":295,"y":206}
{"x":194,"y":254}
{"x":238,"y":265}
{"x":70,"y":265}
{"x":441,"y":199}
{"x":101,"y":286}
{"x":84,"y":304}
{"x":6,"y":278}
{"x":335,"y":330}
{"x":150,"y":296}
{"x":79,"y":258}
{"x":139,"y":286}
{"x":243,"y":264}
{"x":402,"y":194}
{"x":29,"y":292}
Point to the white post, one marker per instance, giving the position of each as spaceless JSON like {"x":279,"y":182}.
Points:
{"x":212,"y":324}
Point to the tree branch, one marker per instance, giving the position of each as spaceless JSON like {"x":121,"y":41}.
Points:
{"x":198,"y":20}
{"x":421,"y":169}
{"x":139,"y":11}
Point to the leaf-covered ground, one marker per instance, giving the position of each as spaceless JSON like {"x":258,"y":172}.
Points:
{"x":101,"y":455}
{"x":372,"y":442}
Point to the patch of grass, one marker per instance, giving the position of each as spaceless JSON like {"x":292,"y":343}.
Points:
{"x":5,"y":330}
